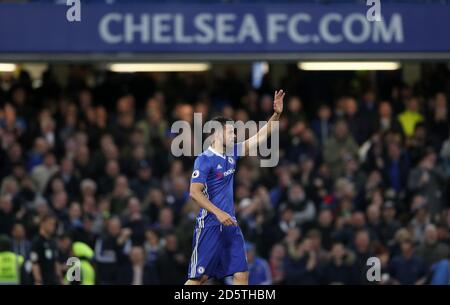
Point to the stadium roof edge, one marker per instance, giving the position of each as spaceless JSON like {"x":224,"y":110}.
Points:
{"x":161,"y":57}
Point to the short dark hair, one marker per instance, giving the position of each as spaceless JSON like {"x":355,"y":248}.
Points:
{"x":221,"y":120}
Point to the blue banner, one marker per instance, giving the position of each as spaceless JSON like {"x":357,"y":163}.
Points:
{"x":224,"y":28}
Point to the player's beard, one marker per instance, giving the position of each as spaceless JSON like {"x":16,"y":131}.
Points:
{"x":225,"y":145}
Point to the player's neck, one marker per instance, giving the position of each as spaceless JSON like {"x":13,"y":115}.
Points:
{"x":218,"y":148}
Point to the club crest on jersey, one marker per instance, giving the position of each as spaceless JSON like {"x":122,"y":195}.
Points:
{"x":201,"y":269}
{"x":219,"y":166}
{"x":230,"y":160}
{"x":196,"y":173}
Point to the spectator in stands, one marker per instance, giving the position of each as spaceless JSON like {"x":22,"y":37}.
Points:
{"x":411,"y":116}
{"x":20,"y":243}
{"x":120,"y":195}
{"x":363,"y":252}
{"x":386,"y":120}
{"x":303,"y":208}
{"x":428,"y":181}
{"x":41,"y":174}
{"x":111,"y":251}
{"x":259,"y":271}
{"x":144,"y":181}
{"x":431,"y":250}
{"x":6,"y":214}
{"x":439,"y":119}
{"x":420,"y":220}
{"x":276,"y":263}
{"x":153,"y":245}
{"x":339,"y":147}
{"x":440,"y":272}
{"x":165,"y":222}
{"x":322,"y":124}
{"x":301,"y":265}
{"x":137,"y":271}
{"x":396,"y":168}
{"x":339,"y":269}
{"x":172,"y":263}
{"x":389,"y":225}
{"x":135,"y":221}
{"x":407,"y":268}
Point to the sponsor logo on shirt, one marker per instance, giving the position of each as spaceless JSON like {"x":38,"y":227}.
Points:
{"x":224,"y":174}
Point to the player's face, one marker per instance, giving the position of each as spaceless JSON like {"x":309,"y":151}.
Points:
{"x":229,"y":135}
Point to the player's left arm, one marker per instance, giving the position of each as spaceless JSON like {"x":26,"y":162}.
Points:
{"x":264,"y":133}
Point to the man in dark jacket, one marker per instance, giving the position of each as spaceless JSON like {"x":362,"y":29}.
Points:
{"x":111,"y":251}
{"x":172,"y":263}
{"x":339,"y":269}
{"x":407,"y":268}
{"x":137,"y":271}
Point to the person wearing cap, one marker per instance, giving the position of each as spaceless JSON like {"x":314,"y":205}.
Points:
{"x":10,"y":263}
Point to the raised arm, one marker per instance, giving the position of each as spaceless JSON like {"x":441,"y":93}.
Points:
{"x":262,"y":135}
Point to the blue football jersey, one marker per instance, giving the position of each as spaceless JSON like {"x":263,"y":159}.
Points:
{"x":216,"y":172}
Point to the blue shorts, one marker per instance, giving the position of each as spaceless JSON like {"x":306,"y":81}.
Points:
{"x":218,"y":251}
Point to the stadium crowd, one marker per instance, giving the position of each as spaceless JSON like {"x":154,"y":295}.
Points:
{"x":89,"y":163}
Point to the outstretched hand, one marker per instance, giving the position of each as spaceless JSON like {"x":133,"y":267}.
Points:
{"x":278,"y":101}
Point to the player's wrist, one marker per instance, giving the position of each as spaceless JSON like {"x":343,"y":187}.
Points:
{"x":217,"y":212}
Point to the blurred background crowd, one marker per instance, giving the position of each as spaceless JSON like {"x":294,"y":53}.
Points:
{"x":86,"y":171}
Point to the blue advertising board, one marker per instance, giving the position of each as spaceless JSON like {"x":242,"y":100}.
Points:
{"x":224,"y":28}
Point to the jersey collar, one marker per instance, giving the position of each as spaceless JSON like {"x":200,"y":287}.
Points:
{"x":215,"y":152}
